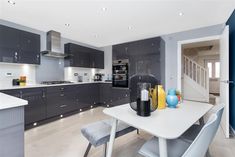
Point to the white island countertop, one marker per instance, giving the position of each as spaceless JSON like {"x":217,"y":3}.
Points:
{"x":7,"y":101}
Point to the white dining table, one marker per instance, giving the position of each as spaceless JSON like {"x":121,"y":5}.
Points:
{"x":169,"y":123}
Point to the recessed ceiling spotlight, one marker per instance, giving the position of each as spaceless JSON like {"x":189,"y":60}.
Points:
{"x":181,"y":13}
{"x":67,"y":24}
{"x":129,"y":27}
{"x":11,"y":2}
{"x":104,"y":9}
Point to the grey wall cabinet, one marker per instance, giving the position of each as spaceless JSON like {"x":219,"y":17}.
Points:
{"x":121,"y":51}
{"x":80,"y":56}
{"x":97,"y":59}
{"x":145,"y":57}
{"x":17,"y":46}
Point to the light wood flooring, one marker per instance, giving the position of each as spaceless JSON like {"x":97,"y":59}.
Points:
{"x":63,"y":138}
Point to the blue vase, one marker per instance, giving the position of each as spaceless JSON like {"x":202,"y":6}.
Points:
{"x":172,"y":99}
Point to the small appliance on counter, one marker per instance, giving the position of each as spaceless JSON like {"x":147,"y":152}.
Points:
{"x":19,"y":82}
{"x":16,"y":82}
{"x":98,"y":77}
{"x":22,"y":80}
{"x":120,"y":73}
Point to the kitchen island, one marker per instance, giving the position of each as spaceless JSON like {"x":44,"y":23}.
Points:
{"x":11,"y":126}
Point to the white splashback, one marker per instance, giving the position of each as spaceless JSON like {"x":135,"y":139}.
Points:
{"x":16,"y":70}
{"x":70,"y":71}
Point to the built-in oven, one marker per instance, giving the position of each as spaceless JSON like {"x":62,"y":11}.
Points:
{"x":120,"y":73}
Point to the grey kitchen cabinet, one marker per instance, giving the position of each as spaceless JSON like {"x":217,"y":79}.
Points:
{"x":120,"y":96}
{"x":17,"y":46}
{"x":29,"y":48}
{"x":146,"y":57}
{"x":88,"y":95}
{"x":120,"y":51}
{"x":80,"y":56}
{"x":97,"y":59}
{"x":106,"y":93}
{"x":36,"y":108}
{"x":61,"y":100}
{"x":9,"y":44}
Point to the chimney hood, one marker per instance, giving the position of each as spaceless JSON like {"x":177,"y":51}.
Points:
{"x":53,"y":44}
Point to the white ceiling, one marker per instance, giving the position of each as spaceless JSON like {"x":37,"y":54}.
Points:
{"x":90,"y":25}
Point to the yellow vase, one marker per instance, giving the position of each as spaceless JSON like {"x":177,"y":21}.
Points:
{"x":161,"y":98}
{"x":153,"y":94}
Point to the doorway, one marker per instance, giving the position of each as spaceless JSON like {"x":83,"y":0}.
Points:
{"x":201,"y":71}
{"x":224,"y":72}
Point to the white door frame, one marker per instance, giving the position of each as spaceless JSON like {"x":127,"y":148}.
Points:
{"x":179,"y":54}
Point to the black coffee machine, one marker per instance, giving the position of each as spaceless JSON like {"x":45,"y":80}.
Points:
{"x":98,"y":77}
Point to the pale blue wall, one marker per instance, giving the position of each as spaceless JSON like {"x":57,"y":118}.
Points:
{"x":171,"y":41}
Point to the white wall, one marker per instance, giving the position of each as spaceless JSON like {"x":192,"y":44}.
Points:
{"x":86,"y":73}
{"x":16,"y":70}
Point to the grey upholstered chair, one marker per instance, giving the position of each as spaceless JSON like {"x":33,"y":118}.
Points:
{"x":98,"y":133}
{"x":194,"y":130}
{"x":179,"y":147}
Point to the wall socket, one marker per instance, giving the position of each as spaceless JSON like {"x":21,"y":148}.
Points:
{"x":9,"y":74}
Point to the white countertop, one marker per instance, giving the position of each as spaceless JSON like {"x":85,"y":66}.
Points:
{"x":169,"y":123}
{"x":7,"y":101}
{"x":8,"y":87}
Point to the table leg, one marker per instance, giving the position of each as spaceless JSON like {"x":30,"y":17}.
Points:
{"x":162,"y":147}
{"x":112,"y":137}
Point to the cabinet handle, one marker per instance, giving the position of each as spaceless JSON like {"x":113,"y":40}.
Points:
{"x":62,"y":106}
{"x":21,"y":94}
{"x":61,"y":88}
{"x":43,"y":94}
{"x":61,"y":94}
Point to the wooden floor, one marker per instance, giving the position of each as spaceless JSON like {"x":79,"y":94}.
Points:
{"x":63,"y":138}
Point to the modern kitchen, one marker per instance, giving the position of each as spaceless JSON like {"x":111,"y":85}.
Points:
{"x":68,"y":87}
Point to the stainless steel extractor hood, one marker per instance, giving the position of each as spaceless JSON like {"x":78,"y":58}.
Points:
{"x":53,"y":44}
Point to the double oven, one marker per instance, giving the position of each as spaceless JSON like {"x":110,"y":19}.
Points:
{"x":120,"y":73}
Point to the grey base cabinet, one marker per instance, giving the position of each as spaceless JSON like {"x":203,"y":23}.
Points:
{"x":36,"y":108}
{"x":113,"y":96}
{"x":12,"y":132}
{"x":47,"y":103}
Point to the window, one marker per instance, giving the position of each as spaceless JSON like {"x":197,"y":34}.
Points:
{"x":217,"y":69}
{"x":213,"y":68}
{"x":209,"y":65}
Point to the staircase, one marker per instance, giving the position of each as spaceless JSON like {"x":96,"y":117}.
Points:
{"x":195,"y":81}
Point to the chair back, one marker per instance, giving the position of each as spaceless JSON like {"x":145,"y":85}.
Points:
{"x":203,"y":140}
